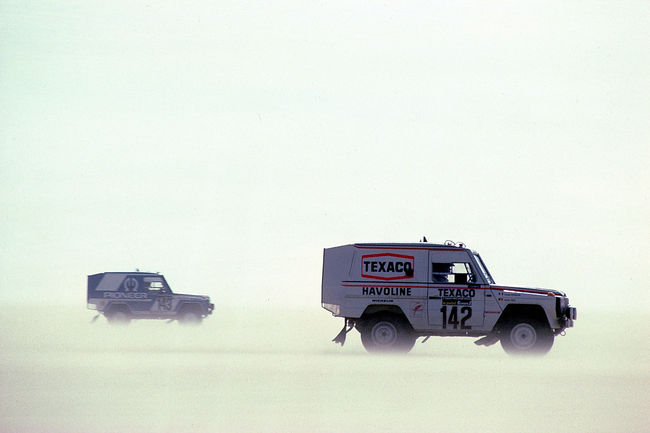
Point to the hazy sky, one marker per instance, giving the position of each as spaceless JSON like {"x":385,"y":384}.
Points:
{"x":227,"y":143}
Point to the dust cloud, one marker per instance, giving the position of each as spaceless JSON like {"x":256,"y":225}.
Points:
{"x":277,"y":371}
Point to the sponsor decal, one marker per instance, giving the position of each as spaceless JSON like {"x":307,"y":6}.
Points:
{"x":387,"y":266}
{"x":125,"y":295}
{"x":418,"y":309}
{"x":457,"y":293}
{"x":456,"y":301}
{"x":385,"y":291}
{"x":131,"y":284}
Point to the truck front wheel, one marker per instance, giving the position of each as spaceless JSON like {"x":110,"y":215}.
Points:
{"x":386,"y":333}
{"x":190,"y":316}
{"x":522,"y":336}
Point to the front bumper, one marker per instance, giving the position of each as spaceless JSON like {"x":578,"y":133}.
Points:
{"x":570,"y":314}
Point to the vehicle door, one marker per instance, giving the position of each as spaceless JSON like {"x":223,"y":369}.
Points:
{"x":455,"y":302}
{"x":162,"y":296}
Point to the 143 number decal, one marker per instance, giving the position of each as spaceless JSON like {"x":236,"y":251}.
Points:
{"x":450,"y":317}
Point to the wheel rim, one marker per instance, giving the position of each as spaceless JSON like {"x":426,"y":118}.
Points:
{"x":384,"y":334}
{"x":523,"y":336}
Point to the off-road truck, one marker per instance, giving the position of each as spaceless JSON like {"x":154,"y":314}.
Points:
{"x":393,"y":293}
{"x":122,"y":296}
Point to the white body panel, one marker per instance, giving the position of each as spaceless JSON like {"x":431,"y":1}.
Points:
{"x":440,"y":290}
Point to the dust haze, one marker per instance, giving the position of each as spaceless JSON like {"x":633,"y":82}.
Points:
{"x":272,"y":370}
{"x":226,"y":143}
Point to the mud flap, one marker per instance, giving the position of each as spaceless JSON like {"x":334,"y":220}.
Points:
{"x":347,"y":327}
{"x":488,"y":340}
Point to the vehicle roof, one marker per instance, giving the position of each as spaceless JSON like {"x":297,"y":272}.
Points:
{"x":423,"y":245}
{"x":129,"y":272}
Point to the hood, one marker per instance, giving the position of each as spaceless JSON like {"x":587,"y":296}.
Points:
{"x":534,"y":291}
{"x":185,"y":297}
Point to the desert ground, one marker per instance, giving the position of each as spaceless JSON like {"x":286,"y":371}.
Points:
{"x":271,"y":370}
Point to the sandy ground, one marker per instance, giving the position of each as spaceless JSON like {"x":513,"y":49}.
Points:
{"x":277,"y":371}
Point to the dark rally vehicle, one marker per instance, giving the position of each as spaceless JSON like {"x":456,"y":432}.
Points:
{"x":122,"y":296}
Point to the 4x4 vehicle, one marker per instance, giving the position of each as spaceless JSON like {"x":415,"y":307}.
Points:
{"x":122,"y":296}
{"x":394,"y":293}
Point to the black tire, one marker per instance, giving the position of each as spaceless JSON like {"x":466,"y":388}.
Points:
{"x":526,"y":336}
{"x":190,"y":317}
{"x":386,"y":333}
{"x":118,"y":316}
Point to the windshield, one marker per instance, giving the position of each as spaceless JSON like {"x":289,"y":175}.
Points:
{"x":484,"y":270}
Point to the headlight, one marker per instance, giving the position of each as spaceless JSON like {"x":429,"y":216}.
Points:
{"x":573,"y":313}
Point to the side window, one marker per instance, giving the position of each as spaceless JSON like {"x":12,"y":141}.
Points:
{"x":451,"y":273}
{"x":155,"y":285}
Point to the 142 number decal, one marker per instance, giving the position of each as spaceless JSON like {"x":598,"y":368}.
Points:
{"x":450,"y":317}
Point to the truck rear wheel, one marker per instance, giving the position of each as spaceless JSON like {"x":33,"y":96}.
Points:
{"x":523,"y":336}
{"x":118,"y":317}
{"x":386,"y":333}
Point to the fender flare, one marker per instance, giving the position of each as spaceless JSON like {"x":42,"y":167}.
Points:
{"x":193,"y":305}
{"x":117,"y":306}
{"x":526,"y":310}
{"x":373,"y":309}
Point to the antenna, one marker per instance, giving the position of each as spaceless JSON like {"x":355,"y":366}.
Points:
{"x":424,"y":239}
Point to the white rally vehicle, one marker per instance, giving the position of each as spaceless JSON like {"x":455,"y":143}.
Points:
{"x":394,"y":293}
